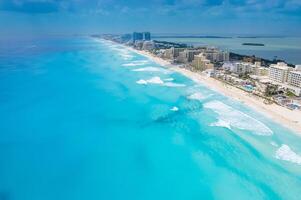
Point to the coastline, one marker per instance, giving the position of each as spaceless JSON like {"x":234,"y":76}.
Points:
{"x":290,"y":119}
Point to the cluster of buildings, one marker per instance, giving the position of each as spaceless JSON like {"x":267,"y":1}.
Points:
{"x":196,"y":56}
{"x":279,"y":74}
{"x":278,"y":82}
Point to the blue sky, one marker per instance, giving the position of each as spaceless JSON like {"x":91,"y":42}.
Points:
{"x":219,"y":17}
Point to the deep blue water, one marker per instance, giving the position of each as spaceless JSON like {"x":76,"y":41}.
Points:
{"x":76,"y":124}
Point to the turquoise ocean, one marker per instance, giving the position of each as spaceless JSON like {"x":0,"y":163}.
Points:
{"x":82,"y":118}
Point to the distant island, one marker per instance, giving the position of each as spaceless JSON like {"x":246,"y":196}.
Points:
{"x":254,"y":37}
{"x":253,"y":44}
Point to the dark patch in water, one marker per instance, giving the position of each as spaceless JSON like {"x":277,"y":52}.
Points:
{"x":4,"y":195}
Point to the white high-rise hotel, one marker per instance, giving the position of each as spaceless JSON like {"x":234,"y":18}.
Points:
{"x":294,"y":78}
{"x":279,"y":72}
{"x":285,"y":75}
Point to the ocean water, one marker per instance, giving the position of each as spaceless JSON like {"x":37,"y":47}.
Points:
{"x":82,"y":118}
{"x":285,"y":48}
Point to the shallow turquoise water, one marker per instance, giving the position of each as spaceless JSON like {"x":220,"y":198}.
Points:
{"x":76,"y":124}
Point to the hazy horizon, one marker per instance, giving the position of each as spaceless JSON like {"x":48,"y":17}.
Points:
{"x":31,"y":18}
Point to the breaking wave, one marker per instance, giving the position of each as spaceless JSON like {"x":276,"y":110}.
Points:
{"x":147,"y":69}
{"x":159,"y":81}
{"x":221,"y":123}
{"x":196,"y":96}
{"x":230,"y":117}
{"x":174,"y":109}
{"x":168,"y":79}
{"x":136,"y":63}
{"x":153,"y":80}
{"x":285,"y":153}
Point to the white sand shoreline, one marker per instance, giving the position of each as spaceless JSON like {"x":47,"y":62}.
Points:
{"x":290,"y":119}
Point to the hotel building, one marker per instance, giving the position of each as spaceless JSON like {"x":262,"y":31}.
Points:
{"x":279,"y":72}
{"x":141,"y":36}
{"x":201,"y":63}
{"x":294,"y":78}
{"x":187,"y":55}
{"x":214,"y":55}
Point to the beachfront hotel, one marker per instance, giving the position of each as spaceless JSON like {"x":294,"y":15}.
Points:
{"x":201,"y":63}
{"x":287,"y":77}
{"x":279,"y":72}
{"x":294,"y":78}
{"x":188,"y":55}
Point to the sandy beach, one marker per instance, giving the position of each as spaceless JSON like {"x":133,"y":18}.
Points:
{"x":288,"y":118}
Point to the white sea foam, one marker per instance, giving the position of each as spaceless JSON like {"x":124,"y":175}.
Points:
{"x":221,"y":123}
{"x":153,"y":80}
{"x":274,"y":144}
{"x":157,"y":80}
{"x":142,"y":82}
{"x":171,"y":84}
{"x":285,"y":153}
{"x":141,"y":61}
{"x":147,"y":69}
{"x":168,"y":79}
{"x":196,"y":96}
{"x":174,"y":109}
{"x":231,"y":117}
{"x":126,"y":56}
{"x":132,"y":64}
{"x":136,"y":63}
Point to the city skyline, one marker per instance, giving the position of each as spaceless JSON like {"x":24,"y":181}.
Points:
{"x":247,"y":17}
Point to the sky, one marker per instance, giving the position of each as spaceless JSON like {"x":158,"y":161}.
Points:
{"x":205,"y":17}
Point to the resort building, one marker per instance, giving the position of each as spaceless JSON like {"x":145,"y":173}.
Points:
{"x":241,"y":68}
{"x":148,"y":45}
{"x":173,"y":53}
{"x":258,"y":70}
{"x":201,"y":63}
{"x":294,"y":78}
{"x":187,"y":55}
{"x":279,"y":72}
{"x":215,"y":55}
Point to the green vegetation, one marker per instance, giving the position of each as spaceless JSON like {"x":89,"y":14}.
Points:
{"x":290,"y":94}
{"x":271,"y":90}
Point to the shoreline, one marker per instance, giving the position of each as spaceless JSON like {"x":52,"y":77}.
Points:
{"x":290,"y":119}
